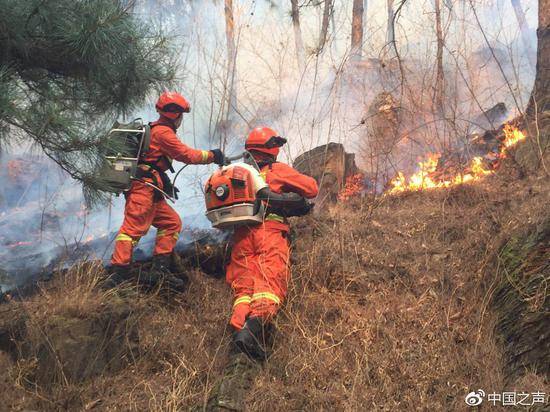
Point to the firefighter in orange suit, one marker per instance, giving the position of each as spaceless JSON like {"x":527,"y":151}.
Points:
{"x":259,"y":268}
{"x":146,"y":206}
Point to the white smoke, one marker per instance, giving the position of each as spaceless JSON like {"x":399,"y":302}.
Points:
{"x":325,"y":102}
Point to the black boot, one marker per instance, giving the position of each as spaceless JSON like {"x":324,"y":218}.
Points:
{"x":253,"y":338}
{"x":160,"y":274}
{"x":117,"y":274}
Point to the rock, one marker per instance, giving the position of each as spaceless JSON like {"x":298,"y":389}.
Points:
{"x":492,"y":118}
{"x":330,"y":166}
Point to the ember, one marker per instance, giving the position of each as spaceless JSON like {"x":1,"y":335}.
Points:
{"x":17,"y":244}
{"x":354,"y":185}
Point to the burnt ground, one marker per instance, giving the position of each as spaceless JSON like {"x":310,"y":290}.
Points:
{"x":394,"y":304}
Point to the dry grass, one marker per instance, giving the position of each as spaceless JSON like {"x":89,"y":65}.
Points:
{"x":388,"y":309}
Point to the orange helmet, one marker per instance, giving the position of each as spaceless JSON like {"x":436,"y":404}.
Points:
{"x":171,"y":105}
{"x":265,"y":140}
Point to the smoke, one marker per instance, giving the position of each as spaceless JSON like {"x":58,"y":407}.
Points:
{"x":44,"y":221}
{"x":331,"y":99}
{"x":334,"y":99}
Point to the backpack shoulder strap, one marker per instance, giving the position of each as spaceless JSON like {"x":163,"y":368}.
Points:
{"x":146,"y":143}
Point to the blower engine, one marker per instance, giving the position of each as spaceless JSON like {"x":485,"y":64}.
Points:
{"x":237,"y":194}
{"x":231,"y":196}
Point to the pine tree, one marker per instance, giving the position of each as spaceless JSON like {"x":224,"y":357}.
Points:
{"x":68,"y":68}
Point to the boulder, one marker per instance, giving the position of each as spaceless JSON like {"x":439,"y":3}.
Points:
{"x":330,"y":166}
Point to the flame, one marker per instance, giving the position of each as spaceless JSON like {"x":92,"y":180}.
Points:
{"x":354,"y":186}
{"x":476,"y":169}
{"x":512,"y":136}
{"x":422,"y":180}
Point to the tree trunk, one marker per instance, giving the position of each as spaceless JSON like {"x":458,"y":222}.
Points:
{"x":357,"y":30}
{"x":324,"y":25}
{"x":440,"y":79}
{"x":298,"y":40}
{"x":390,"y":37}
{"x":365,"y":12}
{"x":231,"y":56}
{"x":540,"y":96}
{"x":524,"y":28}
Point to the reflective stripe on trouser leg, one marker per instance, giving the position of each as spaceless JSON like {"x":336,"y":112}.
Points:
{"x":241,"y":309}
{"x":165,"y":242}
{"x":124,"y":244}
{"x":265,"y":304}
{"x":272,"y":272}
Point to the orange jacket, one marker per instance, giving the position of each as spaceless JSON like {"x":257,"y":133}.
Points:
{"x":165,"y":143}
{"x":282,"y":178}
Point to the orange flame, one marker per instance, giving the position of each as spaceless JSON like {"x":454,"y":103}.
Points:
{"x":512,"y":136}
{"x":354,"y":186}
{"x":424,"y":179}
{"x":427,"y":177}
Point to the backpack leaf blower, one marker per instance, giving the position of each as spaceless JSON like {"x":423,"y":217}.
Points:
{"x":237,"y":194}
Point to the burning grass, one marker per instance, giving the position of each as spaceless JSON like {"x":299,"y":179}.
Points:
{"x":389,"y":307}
{"x":426,"y":177}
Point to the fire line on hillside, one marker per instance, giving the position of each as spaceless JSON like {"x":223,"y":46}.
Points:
{"x":432,"y":173}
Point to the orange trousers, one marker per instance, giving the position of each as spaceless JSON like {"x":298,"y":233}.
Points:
{"x":258,"y":271}
{"x":142,"y":211}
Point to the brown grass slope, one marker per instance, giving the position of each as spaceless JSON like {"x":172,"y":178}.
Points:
{"x":391,"y":306}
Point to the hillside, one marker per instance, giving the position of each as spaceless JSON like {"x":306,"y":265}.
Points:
{"x":409,"y":302}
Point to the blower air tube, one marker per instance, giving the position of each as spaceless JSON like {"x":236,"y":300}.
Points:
{"x":285,"y":204}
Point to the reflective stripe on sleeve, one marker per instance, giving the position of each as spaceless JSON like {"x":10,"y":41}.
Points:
{"x":161,"y":233}
{"x":275,"y":217}
{"x":266,"y":295}
{"x":205,"y":154}
{"x":242,"y":299}
{"x":176,"y":235}
{"x":124,"y":236}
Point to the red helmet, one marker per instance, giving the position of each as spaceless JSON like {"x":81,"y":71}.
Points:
{"x":171,"y":105}
{"x":265,"y":140}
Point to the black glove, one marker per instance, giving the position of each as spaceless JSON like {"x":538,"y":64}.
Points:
{"x":219,"y":157}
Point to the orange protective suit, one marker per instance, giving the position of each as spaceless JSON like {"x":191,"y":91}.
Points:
{"x":143,"y":208}
{"x":259,"y":268}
